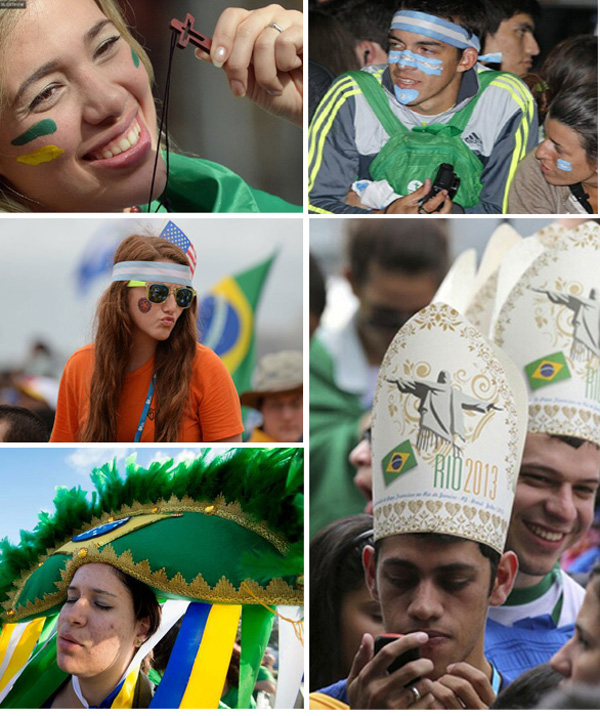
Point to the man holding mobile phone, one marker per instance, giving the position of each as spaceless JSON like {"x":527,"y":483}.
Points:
{"x":444,"y":474}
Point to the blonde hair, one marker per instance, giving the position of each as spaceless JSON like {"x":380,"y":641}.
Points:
{"x":10,"y":199}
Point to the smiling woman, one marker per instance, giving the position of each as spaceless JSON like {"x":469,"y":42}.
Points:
{"x":146,"y":378}
{"x":78,"y":122}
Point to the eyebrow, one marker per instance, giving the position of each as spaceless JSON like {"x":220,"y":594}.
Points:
{"x":444,"y":568}
{"x":51,"y":66}
{"x":95,"y":591}
{"x":422,"y":43}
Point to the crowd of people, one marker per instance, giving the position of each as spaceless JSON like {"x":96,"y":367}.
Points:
{"x":438,"y":82}
{"x":460,"y":512}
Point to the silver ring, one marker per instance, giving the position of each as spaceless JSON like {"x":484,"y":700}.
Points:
{"x":275,"y":26}
{"x":415,"y":693}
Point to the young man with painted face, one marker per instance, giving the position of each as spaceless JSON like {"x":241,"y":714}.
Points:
{"x":441,"y":511}
{"x":556,"y":343}
{"x":431,"y":75}
{"x":509,"y":30}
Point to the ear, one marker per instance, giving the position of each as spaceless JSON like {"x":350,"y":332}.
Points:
{"x":143,"y":626}
{"x":505,"y":578}
{"x":468,"y":59}
{"x":368,"y":557}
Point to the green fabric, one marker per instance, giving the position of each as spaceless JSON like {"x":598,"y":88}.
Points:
{"x":265,"y":482}
{"x":231,"y":698}
{"x":38,"y":681}
{"x":257,"y":623}
{"x":525,"y":595}
{"x":423,"y":149}
{"x":334,"y":426}
{"x":264,"y":674}
{"x":250,"y":283}
{"x":199,"y":185}
{"x":185,"y":545}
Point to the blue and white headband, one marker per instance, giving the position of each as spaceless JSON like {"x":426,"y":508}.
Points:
{"x":439,"y":29}
{"x":160,"y":271}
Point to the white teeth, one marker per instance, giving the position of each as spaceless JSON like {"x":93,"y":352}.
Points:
{"x":544,"y":534}
{"x":120,"y":145}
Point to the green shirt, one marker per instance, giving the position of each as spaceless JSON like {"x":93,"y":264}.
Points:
{"x":198,"y":185}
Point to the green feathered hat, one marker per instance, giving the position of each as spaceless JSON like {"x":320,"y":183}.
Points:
{"x":226,"y":530}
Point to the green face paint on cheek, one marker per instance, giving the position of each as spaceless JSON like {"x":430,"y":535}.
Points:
{"x":39,"y":129}
{"x":45,"y":154}
{"x":136,"y":59}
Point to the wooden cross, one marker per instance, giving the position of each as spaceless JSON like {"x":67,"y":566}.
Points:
{"x":187,"y":33}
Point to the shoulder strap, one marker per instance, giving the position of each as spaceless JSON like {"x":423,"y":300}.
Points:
{"x":378,"y":101}
{"x":461,"y":118}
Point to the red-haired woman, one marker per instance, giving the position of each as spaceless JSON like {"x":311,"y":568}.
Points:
{"x":146,"y":378}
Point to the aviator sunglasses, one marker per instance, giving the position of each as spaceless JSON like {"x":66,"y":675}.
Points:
{"x":159,"y":292}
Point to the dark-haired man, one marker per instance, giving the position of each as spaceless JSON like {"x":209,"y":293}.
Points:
{"x":510,"y":30}
{"x":440,"y":521}
{"x":560,"y":470}
{"x":431,"y":77}
{"x":20,"y":425}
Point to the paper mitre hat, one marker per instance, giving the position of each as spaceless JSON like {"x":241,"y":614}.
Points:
{"x":548,"y":321}
{"x":449,"y":422}
{"x":479,"y":310}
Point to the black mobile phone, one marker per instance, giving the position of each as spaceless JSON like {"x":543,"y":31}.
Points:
{"x":404,"y":658}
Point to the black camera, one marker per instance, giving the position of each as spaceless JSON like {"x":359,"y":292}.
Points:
{"x":444,"y":179}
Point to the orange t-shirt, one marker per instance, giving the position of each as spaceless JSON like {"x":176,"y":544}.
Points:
{"x":213,"y":411}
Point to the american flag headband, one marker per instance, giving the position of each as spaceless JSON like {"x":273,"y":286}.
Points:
{"x":152,"y":271}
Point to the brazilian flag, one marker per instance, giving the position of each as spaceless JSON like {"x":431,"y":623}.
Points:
{"x":398,"y":461}
{"x":226,"y":320}
{"x":549,"y":369}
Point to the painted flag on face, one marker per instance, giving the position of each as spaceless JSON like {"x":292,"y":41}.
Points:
{"x":226,"y":320}
{"x":549,"y":369}
{"x":175,"y":235}
{"x":398,"y":461}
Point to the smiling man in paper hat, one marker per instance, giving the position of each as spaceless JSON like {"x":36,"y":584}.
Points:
{"x":547,"y":318}
{"x":449,"y":422}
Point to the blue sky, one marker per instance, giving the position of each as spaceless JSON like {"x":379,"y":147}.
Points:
{"x":29,"y":477}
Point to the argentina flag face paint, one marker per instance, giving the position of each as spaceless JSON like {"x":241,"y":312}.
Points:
{"x":427,"y":57}
{"x":406,"y":58}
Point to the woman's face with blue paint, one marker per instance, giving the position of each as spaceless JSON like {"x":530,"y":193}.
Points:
{"x":429,"y":72}
{"x":78,"y":124}
{"x":563,"y":160}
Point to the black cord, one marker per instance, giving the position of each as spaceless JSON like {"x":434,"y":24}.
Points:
{"x":164,"y":122}
{"x":582,"y":197}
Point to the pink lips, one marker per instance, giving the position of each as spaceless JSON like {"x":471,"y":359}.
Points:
{"x":65,"y":641}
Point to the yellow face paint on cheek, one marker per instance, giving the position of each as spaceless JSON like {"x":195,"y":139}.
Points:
{"x":45,"y":154}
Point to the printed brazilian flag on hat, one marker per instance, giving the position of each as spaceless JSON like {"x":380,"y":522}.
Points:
{"x":398,"y":461}
{"x":549,"y":369}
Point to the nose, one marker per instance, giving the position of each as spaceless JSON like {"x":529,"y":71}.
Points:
{"x":425,"y":605}
{"x":104,"y":99}
{"x":543,"y":151}
{"x":170,"y":305}
{"x":531,"y":46}
{"x":361,"y":455}
{"x":560,"y":505}
{"x":561,"y":662}
{"x":77,"y":613}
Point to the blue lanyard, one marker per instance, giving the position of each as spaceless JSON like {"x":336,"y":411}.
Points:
{"x":496,"y":679}
{"x":144,"y":415}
